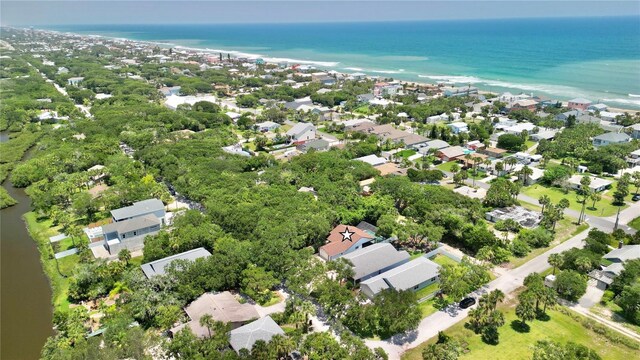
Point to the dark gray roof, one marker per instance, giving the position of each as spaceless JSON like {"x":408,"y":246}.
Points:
{"x":137,"y":223}
{"x":318,"y":144}
{"x":245,"y":336}
{"x":374,"y":258}
{"x":158,"y":267}
{"x":139,"y":208}
{"x":363,"y":225}
{"x":627,"y":252}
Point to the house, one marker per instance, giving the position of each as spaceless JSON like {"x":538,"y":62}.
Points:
{"x":129,"y":234}
{"x":610,"y":138}
{"x":432,"y":146}
{"x":222,"y":307}
{"x":374,"y":260}
{"x":75,"y":81}
{"x":493,"y":152}
{"x":525,"y":217}
{"x":526,"y":104}
{"x":579,"y":104}
{"x":236,"y":149}
{"x":617,"y":257}
{"x":597,"y":107}
{"x":365,"y":98}
{"x":458,"y":127}
{"x":390,"y":169}
{"x":565,"y":115}
{"x":451,"y":153}
{"x":587,"y":119}
{"x":413,"y":275}
{"x":609,"y":116}
{"x":301,"y":132}
{"x":526,"y":158}
{"x":624,"y":253}
{"x":373,"y":160}
{"x":466,"y":91}
{"x":314,"y":144}
{"x":520,"y":128}
{"x":245,"y":337}
{"x":549,"y":134}
{"x":63,"y":70}
{"x":597,"y":184}
{"x":634,"y":131}
{"x":159,"y":266}
{"x":233,"y":115}
{"x":145,"y":207}
{"x":633,"y":159}
{"x":368,"y":228}
{"x":267,"y":126}
{"x":342,"y":240}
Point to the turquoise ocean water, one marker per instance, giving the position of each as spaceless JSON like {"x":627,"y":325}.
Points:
{"x":596,"y":58}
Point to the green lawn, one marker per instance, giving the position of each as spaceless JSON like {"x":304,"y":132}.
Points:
{"x":428,"y":307}
{"x":529,"y":144}
{"x":416,"y":255}
{"x":364,"y":109}
{"x":446,"y":166}
{"x":442,"y":260}
{"x":427,"y":290}
{"x":405,"y":154}
{"x":635,"y":223}
{"x":517,"y":345}
{"x":603,"y":207}
{"x":40,"y":230}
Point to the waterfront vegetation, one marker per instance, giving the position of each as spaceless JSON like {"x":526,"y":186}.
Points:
{"x":5,"y":199}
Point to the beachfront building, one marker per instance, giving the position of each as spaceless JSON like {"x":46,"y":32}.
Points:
{"x":579,"y":104}
{"x":464,"y":91}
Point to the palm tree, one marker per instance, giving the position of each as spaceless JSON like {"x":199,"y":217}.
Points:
{"x":582,"y":195}
{"x":549,"y":298}
{"x":555,"y":260}
{"x":207,"y":321}
{"x":282,"y":345}
{"x":526,"y":172}
{"x":595,"y":197}
{"x":125,"y":256}
{"x":544,"y":200}
{"x":526,"y":310}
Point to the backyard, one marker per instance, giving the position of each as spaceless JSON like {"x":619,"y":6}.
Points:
{"x":635,"y":223}
{"x":40,"y":230}
{"x":603,"y":208}
{"x":516,"y":343}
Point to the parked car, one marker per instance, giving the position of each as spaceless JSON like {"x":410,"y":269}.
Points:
{"x":467,"y":302}
{"x":636,"y":197}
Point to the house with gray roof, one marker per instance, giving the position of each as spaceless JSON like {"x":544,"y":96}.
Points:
{"x":245,"y":336}
{"x":624,"y":253}
{"x":374,"y":260}
{"x":140,"y":208}
{"x":314,"y":144}
{"x":617,"y":257}
{"x":610,"y":138}
{"x":159,"y":266}
{"x":413,"y":275}
{"x":302,"y":132}
{"x":129,"y":234}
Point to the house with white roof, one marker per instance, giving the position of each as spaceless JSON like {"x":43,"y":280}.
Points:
{"x":158,"y":267}
{"x":458,"y":127}
{"x":597,"y":184}
{"x":301,"y":132}
{"x":246,"y":336}
{"x":373,"y":160}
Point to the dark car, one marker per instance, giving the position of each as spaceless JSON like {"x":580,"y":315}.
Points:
{"x":636,"y":197}
{"x":467,"y":302}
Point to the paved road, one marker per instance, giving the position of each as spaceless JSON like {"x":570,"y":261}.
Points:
{"x":442,"y":320}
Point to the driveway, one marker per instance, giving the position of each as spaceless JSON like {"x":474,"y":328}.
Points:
{"x":442,"y":320}
{"x":592,"y":296}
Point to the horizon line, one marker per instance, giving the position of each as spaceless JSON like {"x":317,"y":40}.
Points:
{"x":354,"y":21}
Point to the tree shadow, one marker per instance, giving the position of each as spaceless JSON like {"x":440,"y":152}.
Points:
{"x":520,"y":327}
{"x":543,"y":317}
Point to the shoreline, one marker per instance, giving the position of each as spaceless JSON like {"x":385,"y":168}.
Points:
{"x":484,"y":85}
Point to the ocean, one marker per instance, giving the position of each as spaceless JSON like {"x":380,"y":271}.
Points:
{"x":560,"y":58}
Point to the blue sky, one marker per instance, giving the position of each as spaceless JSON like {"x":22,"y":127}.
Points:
{"x":51,"y":12}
